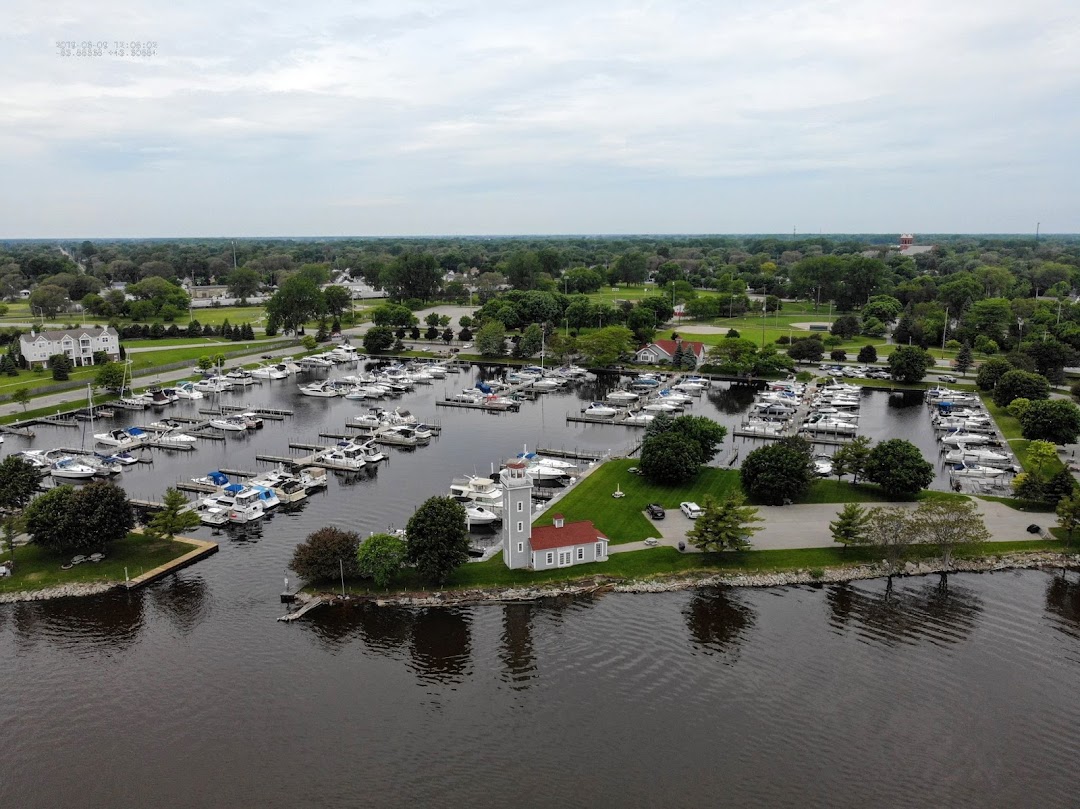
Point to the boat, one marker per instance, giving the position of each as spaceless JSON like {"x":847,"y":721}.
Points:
{"x":68,"y":468}
{"x":243,"y":502}
{"x":966,"y":470}
{"x":479,"y":490}
{"x":621,"y":396}
{"x":369,"y":420}
{"x":645,"y":382}
{"x":313,"y":478}
{"x":229,"y":423}
{"x":159,"y":398}
{"x":252,"y":420}
{"x":268,"y":371}
{"x":466,"y":396}
{"x":825,"y":424}
{"x":186,"y":390}
{"x":319,"y":389}
{"x":823,"y":465}
{"x":267,"y":496}
{"x":638,"y":418}
{"x":241,"y":377}
{"x":661,"y":407}
{"x":126,"y":438}
{"x":478,"y":515}
{"x":211,"y":512}
{"x":599,"y":409}
{"x":674,"y":396}
{"x":214,"y":478}
{"x":315,"y":362}
{"x":287,"y":486}
{"x":175,"y":437}
{"x":964,"y":437}
{"x":123,"y":458}
{"x":214,"y":384}
{"x":979,"y":455}
{"x":757,"y":427}
{"x":350,"y":457}
{"x":532,"y":457}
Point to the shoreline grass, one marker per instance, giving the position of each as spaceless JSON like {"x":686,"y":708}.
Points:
{"x":37,"y":568}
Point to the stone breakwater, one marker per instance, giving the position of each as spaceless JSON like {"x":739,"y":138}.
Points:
{"x":829,"y":575}
{"x":60,"y":591}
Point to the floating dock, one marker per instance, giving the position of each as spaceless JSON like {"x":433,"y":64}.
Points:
{"x":201,"y":549}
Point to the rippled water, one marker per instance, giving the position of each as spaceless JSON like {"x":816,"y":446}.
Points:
{"x":188,"y":693}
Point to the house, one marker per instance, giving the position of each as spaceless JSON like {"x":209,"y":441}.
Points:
{"x":79,"y":345}
{"x":662,"y":351}
{"x":559,"y":545}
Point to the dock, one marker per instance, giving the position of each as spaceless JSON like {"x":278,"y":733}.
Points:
{"x":502,"y":407}
{"x":200,"y":550}
{"x":25,"y":432}
{"x":318,"y":601}
{"x":570,"y":454}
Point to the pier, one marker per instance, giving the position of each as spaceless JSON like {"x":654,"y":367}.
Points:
{"x":200,"y":550}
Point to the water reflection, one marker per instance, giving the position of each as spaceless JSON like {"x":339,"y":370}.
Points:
{"x":441,"y":645}
{"x":182,"y":600}
{"x":517,"y":653}
{"x":109,"y":623}
{"x":1063,"y":601}
{"x":936,"y":611}
{"x":732,"y":400}
{"x":718,"y":619}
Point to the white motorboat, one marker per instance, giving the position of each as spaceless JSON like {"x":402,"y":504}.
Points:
{"x":964,"y":437}
{"x":286,"y":486}
{"x":661,"y":407}
{"x":638,"y":418}
{"x":478,"y":515}
{"x":320,"y":389}
{"x":468,"y":396}
{"x":675,"y":397}
{"x":214,"y":478}
{"x":348,"y":457}
{"x":532,"y":457}
{"x":692,"y":387}
{"x":186,"y":390}
{"x":966,"y":470}
{"x":978,"y":455}
{"x":252,"y":420}
{"x":759,"y":427}
{"x":368,"y":420}
{"x":313,"y":478}
{"x":232,"y":424}
{"x":483,"y":491}
{"x":124,"y":458}
{"x":823,"y":465}
{"x":316,"y":362}
{"x":214,"y":384}
{"x":545,"y":384}
{"x":621,"y":396}
{"x":211,"y":512}
{"x":268,"y":371}
{"x":957,"y":422}
{"x":356,"y":393}
{"x":241,"y":377}
{"x":176,"y":437}
{"x":599,"y":409}
{"x":68,"y":468}
{"x":267,"y":496}
{"x":824,"y":424}
{"x":244,"y":503}
{"x":131,"y":437}
{"x":645,"y":382}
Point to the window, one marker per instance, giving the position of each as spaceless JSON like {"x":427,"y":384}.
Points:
{"x":521,"y":547}
{"x":599,"y":549}
{"x":580,"y":554}
{"x":564,"y":558}
{"x":519,"y":506}
{"x":521,"y":525}
{"x":550,"y":557}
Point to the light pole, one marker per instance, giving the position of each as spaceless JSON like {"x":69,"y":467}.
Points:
{"x":1020,"y":328}
{"x":763,"y":313}
{"x":945,"y":330}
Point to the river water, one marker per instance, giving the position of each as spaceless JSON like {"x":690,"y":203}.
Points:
{"x":188,"y":693}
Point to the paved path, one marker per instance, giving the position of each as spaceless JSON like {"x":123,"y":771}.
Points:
{"x":807,"y":526}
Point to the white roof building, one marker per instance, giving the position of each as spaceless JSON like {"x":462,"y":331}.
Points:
{"x":79,"y":345}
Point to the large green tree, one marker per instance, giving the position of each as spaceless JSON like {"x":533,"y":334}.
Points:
{"x":605,"y":346}
{"x":778,"y":473}
{"x":338,"y":300}
{"x":670,"y":458}
{"x":1020,"y":385}
{"x":326,"y":554}
{"x":724,"y":525}
{"x":909,"y":364}
{"x":491,"y":339}
{"x":991,"y":371}
{"x":378,"y":339}
{"x":1054,"y":420}
{"x":413,"y":276}
{"x":898,"y":468}
{"x":850,"y":459}
{"x":65,"y":519}
{"x":297,"y":301}
{"x":949,"y":524}
{"x":380,"y":557}
{"x":438,"y":539}
{"x":19,"y":482}
{"x":851,"y":526}
{"x":244,"y":282}
{"x":176,"y":517}
{"x":110,"y":375}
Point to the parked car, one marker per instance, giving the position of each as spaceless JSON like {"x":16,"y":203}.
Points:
{"x":691,"y":510}
{"x":655,"y":510}
{"x":947,"y":378}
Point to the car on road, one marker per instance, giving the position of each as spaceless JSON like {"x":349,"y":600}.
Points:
{"x":466,"y":347}
{"x":655,"y":510}
{"x":947,"y":378}
{"x":691,"y":510}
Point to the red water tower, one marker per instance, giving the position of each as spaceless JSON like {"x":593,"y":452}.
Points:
{"x":906,"y":240}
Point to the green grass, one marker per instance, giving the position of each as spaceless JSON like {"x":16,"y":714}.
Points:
{"x":169,"y":342}
{"x":36,"y":567}
{"x":1013,"y":432}
{"x":660,"y":562}
{"x":1017,"y":504}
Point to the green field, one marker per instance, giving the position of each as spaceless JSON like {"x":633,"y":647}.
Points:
{"x":36,"y":568}
{"x":1014,"y":434}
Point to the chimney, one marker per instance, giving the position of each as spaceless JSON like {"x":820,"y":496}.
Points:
{"x":558,"y":520}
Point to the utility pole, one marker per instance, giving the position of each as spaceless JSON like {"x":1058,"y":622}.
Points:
{"x":945,"y":330}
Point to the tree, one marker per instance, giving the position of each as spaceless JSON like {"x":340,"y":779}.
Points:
{"x":891,"y":529}
{"x":838,"y":355}
{"x":523,"y":268}
{"x":867,"y":354}
{"x":51,"y":520}
{"x":605,"y":346}
{"x":1020,"y":384}
{"x":706,"y":434}
{"x":1018,"y":407}
{"x":392,"y":314}
{"x":670,"y":458}
{"x":310,"y":342}
{"x":963,"y":359}
{"x":297,"y":301}
{"x":1040,"y":456}
{"x":244,"y":282}
{"x":110,"y":375}
{"x":65,"y":519}
{"x":326,"y":554}
{"x":338,"y":300}
{"x":991,"y":371}
{"x":177,"y":516}
{"x":631,"y":267}
{"x":851,"y":458}
{"x":21,"y":396}
{"x":807,"y":349}
{"x":1068,"y":514}
{"x":949,"y":523}
{"x":49,"y":298}
{"x":898,"y":468}
{"x":61,"y":367}
{"x":726,"y":525}
{"x":845,"y":326}
{"x":380,"y":558}
{"x":909,"y":363}
{"x":413,"y":276}
{"x":438,"y":541}
{"x":18,"y":483}
{"x":530,"y":342}
{"x":851,"y":526}
{"x":885,"y":308}
{"x":777,"y":474}
{"x":1054,"y":420}
{"x":491,"y":339}
{"x":642,"y":322}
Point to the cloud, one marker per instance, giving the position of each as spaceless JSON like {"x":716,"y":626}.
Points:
{"x":482,"y":117}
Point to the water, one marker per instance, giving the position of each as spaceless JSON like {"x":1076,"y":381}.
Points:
{"x":188,"y":693}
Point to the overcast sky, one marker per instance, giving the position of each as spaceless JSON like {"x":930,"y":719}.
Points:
{"x":479,"y":117}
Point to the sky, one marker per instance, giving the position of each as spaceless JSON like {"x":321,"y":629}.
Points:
{"x":405,"y":117}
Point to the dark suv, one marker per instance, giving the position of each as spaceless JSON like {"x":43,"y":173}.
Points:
{"x":655,"y":510}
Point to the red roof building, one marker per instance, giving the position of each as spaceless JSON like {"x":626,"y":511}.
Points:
{"x":661,"y":351}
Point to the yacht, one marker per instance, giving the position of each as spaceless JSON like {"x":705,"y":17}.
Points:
{"x":467,"y":396}
{"x":315,"y":362}
{"x":621,"y":396}
{"x":229,"y":423}
{"x":211,"y":512}
{"x":979,"y":455}
{"x":966,"y":470}
{"x":661,"y":407}
{"x":370,"y":420}
{"x":645,"y":382}
{"x":825,"y":424}
{"x":268,"y":371}
{"x":214,"y":384}
{"x":214,"y":478}
{"x":349,"y":457}
{"x":252,"y":420}
{"x":186,"y":390}
{"x":159,"y":398}
{"x":67,"y":467}
{"x":287,"y":487}
{"x":173,"y":436}
{"x":123,"y":458}
{"x":267,"y":496}
{"x":243,"y":502}
{"x":241,"y":377}
{"x":478,"y":515}
{"x":532,"y":457}
{"x":759,"y":427}
{"x":638,"y":418}
{"x":599,"y":409}
{"x":321,"y":389}
{"x":675,"y":397}
{"x":483,"y":491}
{"x":313,"y":478}
{"x":964,"y":437}
{"x":131,"y":437}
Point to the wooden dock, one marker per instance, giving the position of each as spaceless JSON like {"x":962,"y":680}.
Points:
{"x":200,"y":550}
{"x":502,"y":407}
{"x":318,"y":601}
{"x":570,"y":454}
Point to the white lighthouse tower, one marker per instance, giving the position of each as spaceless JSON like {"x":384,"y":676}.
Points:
{"x":516,"y":515}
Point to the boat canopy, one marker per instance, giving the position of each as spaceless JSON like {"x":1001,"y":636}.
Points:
{"x":218,"y":478}
{"x":234,"y":488}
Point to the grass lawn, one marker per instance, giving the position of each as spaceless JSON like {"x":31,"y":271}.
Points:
{"x":170,"y":342}
{"x":1014,"y":434}
{"x":622,"y":520}
{"x":667,"y":561}
{"x":36,"y":568}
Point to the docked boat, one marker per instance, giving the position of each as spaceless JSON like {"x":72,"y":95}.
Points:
{"x":269,"y":371}
{"x":350,"y":457}
{"x":315,"y":362}
{"x":68,"y":468}
{"x":482,"y":491}
{"x":252,"y":420}
{"x":229,"y":423}
{"x":211,"y":512}
{"x":243,"y":502}
{"x":122,"y":458}
{"x":966,"y":470}
{"x":964,"y":437}
{"x":621,"y":396}
{"x":323,"y":390}
{"x":267,"y":496}
{"x":313,"y":478}
{"x":478,"y":515}
{"x":825,"y":424}
{"x":977,"y":455}
{"x":558,"y":463}
{"x":661,"y":407}
{"x":187,"y":390}
{"x":214,"y":478}
{"x":125,"y":438}
{"x":214,"y":384}
{"x":674,"y":396}
{"x":638,"y":418}
{"x":159,"y":398}
{"x":599,"y":409}
{"x":241,"y":377}
{"x":645,"y":382}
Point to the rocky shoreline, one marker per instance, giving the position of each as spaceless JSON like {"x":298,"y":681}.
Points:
{"x":60,"y":591}
{"x":829,"y":575}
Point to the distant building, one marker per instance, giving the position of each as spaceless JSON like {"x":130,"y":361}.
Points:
{"x":559,"y":545}
{"x":661,"y":351}
{"x":79,"y":345}
{"x":207,"y":292}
